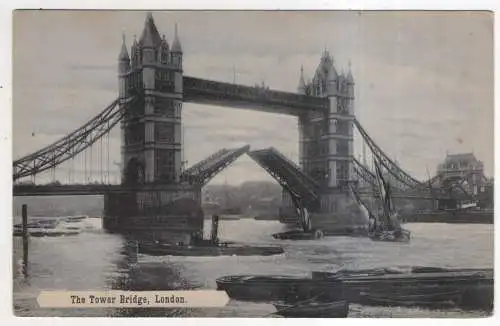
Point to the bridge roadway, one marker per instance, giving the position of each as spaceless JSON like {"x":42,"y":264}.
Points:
{"x":83,"y":190}
{"x":257,"y":98}
{"x":410,"y":194}
{"x":101,"y":189}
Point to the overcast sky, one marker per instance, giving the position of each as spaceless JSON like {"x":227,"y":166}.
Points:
{"x":424,"y":80}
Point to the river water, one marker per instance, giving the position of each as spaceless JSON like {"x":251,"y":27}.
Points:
{"x":95,"y":260}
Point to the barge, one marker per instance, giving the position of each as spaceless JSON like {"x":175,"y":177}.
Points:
{"x":470,"y":288}
{"x":299,"y":235}
{"x":208,"y":250}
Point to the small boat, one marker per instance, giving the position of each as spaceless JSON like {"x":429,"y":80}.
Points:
{"x":213,"y":249}
{"x":338,"y":309}
{"x":299,"y":235}
{"x":399,"y":235}
{"x":265,"y":218}
{"x":47,"y":233}
{"x":230,"y":217}
{"x":291,"y":289}
{"x":429,"y":300}
{"x":74,"y":218}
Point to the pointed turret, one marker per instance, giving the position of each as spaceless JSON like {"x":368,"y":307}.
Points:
{"x":350,"y":79}
{"x":134,"y":52}
{"x":176,"y":45}
{"x":123,"y":52}
{"x":350,"y":83}
{"x":176,"y":50}
{"x":164,"y":50}
{"x":123,"y":58}
{"x":123,"y":69}
{"x":150,"y":36}
{"x":302,"y":85}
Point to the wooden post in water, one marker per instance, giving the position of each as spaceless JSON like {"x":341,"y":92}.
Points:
{"x":25,"y":239}
{"x":215,"y":228}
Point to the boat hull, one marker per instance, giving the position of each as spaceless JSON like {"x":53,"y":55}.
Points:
{"x":463,"y":288}
{"x":339,"y":309}
{"x":298,"y":235}
{"x":391,"y":236}
{"x":208,"y":251}
{"x":287,"y":289}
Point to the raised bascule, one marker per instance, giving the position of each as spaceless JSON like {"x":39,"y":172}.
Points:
{"x":158,"y":197}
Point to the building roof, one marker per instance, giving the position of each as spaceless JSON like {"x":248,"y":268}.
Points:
{"x":461,"y":157}
{"x":150,"y":36}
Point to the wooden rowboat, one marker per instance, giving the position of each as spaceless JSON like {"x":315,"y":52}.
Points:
{"x":430,"y":300}
{"x":338,"y":309}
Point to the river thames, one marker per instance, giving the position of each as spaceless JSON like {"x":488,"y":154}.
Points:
{"x":95,"y":260}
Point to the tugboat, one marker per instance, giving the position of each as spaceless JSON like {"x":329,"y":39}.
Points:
{"x":200,"y":247}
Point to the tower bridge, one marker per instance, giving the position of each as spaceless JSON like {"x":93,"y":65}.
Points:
{"x":158,"y":192}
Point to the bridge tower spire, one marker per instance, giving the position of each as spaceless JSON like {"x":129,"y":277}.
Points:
{"x":301,"y":89}
{"x":176,"y":52}
{"x":151,"y":148}
{"x":123,"y":68}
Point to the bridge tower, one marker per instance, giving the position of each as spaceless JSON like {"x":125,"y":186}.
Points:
{"x":154,"y":202}
{"x":326,"y":140}
{"x":151,"y":129}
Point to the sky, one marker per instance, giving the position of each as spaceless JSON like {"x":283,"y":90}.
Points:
{"x":424,"y":80}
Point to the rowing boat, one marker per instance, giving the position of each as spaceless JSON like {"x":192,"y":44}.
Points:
{"x":338,"y":309}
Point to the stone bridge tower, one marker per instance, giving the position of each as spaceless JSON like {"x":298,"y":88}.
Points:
{"x":326,"y":141}
{"x":154,"y":203}
{"x":151,"y":128}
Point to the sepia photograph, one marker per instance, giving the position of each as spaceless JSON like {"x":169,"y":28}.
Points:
{"x":277,"y":164}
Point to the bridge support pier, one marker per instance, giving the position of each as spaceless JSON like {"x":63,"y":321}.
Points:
{"x":171,"y":213}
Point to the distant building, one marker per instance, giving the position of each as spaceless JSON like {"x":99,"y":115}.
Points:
{"x":465,"y":170}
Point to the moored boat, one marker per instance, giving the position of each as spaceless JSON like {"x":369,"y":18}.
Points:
{"x":229,"y":217}
{"x":399,"y":235}
{"x":46,"y":233}
{"x":436,"y":300}
{"x":268,"y":288}
{"x":75,"y":218}
{"x":418,"y":285}
{"x":215,"y":249}
{"x":264,"y":217}
{"x":337,"y":309}
{"x":299,"y":235}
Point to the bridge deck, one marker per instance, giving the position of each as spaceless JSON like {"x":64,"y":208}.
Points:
{"x":87,"y":190}
{"x":210,"y":92}
{"x":288,"y":175}
{"x":203,"y":171}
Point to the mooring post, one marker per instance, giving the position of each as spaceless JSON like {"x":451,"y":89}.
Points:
{"x":25,"y":239}
{"x":215,"y":228}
